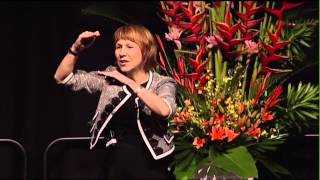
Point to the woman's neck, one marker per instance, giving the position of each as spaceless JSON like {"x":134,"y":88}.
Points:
{"x":139,"y":77}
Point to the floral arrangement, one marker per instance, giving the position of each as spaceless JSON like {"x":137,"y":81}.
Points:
{"x":231,"y":61}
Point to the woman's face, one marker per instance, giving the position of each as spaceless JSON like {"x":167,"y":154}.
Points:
{"x":129,"y":56}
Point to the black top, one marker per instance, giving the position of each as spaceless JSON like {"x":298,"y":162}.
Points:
{"x":124,"y":120}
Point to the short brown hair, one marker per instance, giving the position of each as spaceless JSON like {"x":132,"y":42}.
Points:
{"x":145,"y":40}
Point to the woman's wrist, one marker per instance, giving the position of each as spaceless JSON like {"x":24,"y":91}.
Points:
{"x":75,"y":49}
{"x":138,"y":90}
{"x":70,"y":51}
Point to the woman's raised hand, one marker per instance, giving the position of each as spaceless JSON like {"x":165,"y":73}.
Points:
{"x":84,"y":40}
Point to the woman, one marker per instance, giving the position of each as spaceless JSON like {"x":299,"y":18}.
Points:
{"x":134,"y":105}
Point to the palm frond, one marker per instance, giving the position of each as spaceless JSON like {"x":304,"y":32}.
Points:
{"x":300,"y":36}
{"x":301,"y":106}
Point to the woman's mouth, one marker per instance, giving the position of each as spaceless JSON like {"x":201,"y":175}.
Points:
{"x":123,"y":62}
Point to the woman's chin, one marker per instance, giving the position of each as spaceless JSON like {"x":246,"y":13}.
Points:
{"x":124,"y":69}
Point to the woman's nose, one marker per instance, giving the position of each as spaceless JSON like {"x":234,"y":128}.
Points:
{"x":122,"y":52}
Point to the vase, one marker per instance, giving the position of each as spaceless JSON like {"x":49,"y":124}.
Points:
{"x":207,"y":173}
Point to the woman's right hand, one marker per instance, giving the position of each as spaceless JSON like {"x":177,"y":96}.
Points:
{"x":84,"y":40}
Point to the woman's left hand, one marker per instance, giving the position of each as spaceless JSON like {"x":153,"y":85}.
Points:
{"x":116,"y":75}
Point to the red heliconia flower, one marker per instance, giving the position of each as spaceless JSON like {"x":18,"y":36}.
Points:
{"x":249,"y":4}
{"x":269,"y":48}
{"x":185,"y":25}
{"x":225,"y":46}
{"x":261,"y":88}
{"x":188,"y":12}
{"x":162,"y":62}
{"x":227,"y":31}
{"x":253,"y":23}
{"x":190,"y":39}
{"x":250,"y":35}
{"x":197,"y":28}
{"x":247,"y":15}
{"x":274,"y":98}
{"x":177,"y":78}
{"x":285,"y":7}
{"x":175,"y":5}
{"x":181,"y":65}
{"x":201,"y":67}
{"x":280,"y":13}
{"x":266,"y":60}
{"x":194,"y":19}
{"x":190,"y":85}
{"x":203,"y":79}
{"x":195,"y":63}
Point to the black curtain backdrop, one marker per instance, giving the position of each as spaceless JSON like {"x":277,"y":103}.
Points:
{"x":35,"y":110}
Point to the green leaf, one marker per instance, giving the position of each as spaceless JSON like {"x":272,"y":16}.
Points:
{"x":238,"y":161}
{"x":186,"y":172}
{"x":302,"y":105}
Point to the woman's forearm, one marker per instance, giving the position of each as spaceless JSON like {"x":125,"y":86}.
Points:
{"x":84,"y":40}
{"x":152,"y":100}
{"x":66,"y":67}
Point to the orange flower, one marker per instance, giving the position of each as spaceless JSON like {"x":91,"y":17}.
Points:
{"x":230,"y":134}
{"x":181,"y":118}
{"x":198,"y":142}
{"x":240,"y":108}
{"x":255,"y":132}
{"x":266,"y":116}
{"x":217,"y":134}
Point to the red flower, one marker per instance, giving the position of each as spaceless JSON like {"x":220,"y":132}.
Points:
{"x":198,"y":142}
{"x":255,"y":132}
{"x":261,"y":88}
{"x":274,"y":98}
{"x":217,"y":133}
{"x":231,"y":135}
{"x":266,"y":115}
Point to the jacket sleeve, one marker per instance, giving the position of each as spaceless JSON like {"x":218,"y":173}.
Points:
{"x":166,"y":89}
{"x":90,"y":81}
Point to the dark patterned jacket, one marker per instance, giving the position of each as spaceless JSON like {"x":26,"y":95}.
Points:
{"x":153,"y":129}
